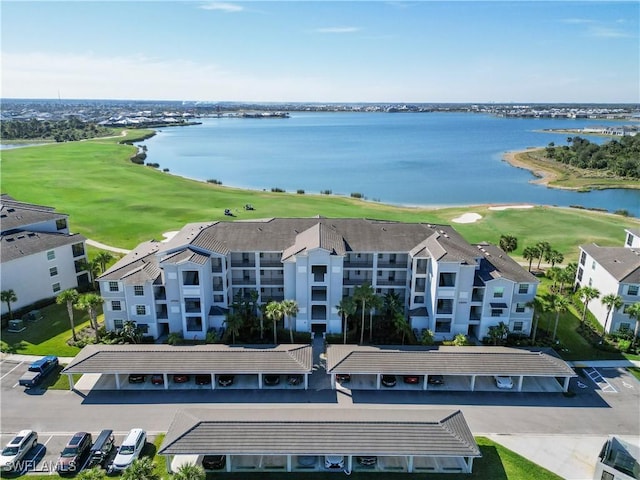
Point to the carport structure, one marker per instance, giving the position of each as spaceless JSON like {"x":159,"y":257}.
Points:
{"x":213,"y":359}
{"x":459,"y":363}
{"x":272,"y":439}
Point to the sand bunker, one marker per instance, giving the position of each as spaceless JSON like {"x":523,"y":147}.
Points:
{"x":467,"y":218}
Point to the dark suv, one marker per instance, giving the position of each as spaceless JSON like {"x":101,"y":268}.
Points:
{"x":74,"y":454}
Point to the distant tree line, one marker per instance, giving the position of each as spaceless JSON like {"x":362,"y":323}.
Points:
{"x":60,"y":130}
{"x":620,"y":157}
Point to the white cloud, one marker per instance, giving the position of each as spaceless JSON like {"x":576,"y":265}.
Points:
{"x":223,"y":6}
{"x":576,"y":21}
{"x":338,"y":30}
{"x":607,"y":32}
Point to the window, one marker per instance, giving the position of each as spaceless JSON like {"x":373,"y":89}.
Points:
{"x":113,"y":287}
{"x":498,"y":292}
{"x":77,"y":249}
{"x":520,"y":307}
{"x":192,"y":305}
{"x":443,"y":326}
{"x":138,"y":290}
{"x":141,"y":310}
{"x":593,"y":265}
{"x":53,"y":271}
{"x":445,"y":306}
{"x":194,"y":324}
{"x":61,"y":223}
{"x":523,"y":288}
{"x":632,"y":290}
{"x":118,"y":324}
{"x":580,"y":272}
{"x":116,"y":306}
{"x":629,"y":239}
{"x":447,"y":280}
{"x":517,"y":326}
{"x":143,"y":328}
{"x":607,"y":476}
{"x":56,"y":287}
{"x":51,"y":255}
{"x":190,"y":277}
{"x":496,"y":312}
{"x":624,"y":327}
{"x":583,"y":258}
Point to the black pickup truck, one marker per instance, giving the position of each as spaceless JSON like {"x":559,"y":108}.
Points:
{"x":38,"y":370}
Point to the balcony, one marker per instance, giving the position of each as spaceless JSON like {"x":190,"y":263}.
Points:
{"x":355,"y":281}
{"x":364,"y":263}
{"x":272,"y":280}
{"x":218,"y":286}
{"x":396,"y":282}
{"x":245,"y":280}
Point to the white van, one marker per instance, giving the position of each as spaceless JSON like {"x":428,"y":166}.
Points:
{"x":129,"y":450}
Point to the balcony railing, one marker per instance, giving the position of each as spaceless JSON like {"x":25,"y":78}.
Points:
{"x":358,"y":264}
{"x":272,"y":281}
{"x":239,"y":262}
{"x":270,"y":262}
{"x":355,"y":281}
{"x":397,"y":282}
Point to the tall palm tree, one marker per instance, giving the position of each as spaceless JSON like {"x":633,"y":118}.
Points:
{"x":9,"y":297}
{"x":538,"y":308}
{"x":401,"y":325}
{"x":346,"y":308}
{"x":103,"y":258}
{"x":290,"y":310}
{"x":566,"y":276}
{"x":612,"y":302}
{"x":141,"y":469}
{"x":274,"y":313}
{"x":530,"y":253}
{"x":375,"y":302}
{"x":587,"y":294}
{"x":363,"y":294}
{"x":234,"y":322}
{"x":69,"y":297}
{"x":508,"y":243}
{"x":543,"y":249}
{"x":190,"y":471}
{"x":634,"y":314}
{"x":553,"y":257}
{"x":559,"y":304}
{"x":91,"y":302}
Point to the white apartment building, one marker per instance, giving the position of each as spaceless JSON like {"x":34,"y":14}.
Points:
{"x":40,"y":258}
{"x":187,"y":284}
{"x":612,"y":270}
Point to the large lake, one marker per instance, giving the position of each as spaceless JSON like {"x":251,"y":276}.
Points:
{"x":431,"y":159}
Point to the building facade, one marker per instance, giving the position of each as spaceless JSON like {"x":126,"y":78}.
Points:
{"x":612,"y":270}
{"x":188,"y":283}
{"x":40,"y":258}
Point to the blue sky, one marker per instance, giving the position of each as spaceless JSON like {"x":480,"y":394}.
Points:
{"x":322,"y":51}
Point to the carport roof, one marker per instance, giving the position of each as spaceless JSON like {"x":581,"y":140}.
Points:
{"x":409,"y":360}
{"x":319,"y":431}
{"x":230,"y":359}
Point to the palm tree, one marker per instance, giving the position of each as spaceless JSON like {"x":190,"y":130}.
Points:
{"x":543,"y":249}
{"x":508,"y":243}
{"x":234,"y":322}
{"x":537,"y":307}
{"x":93,"y":267}
{"x":559,"y":304}
{"x":346,"y":308}
{"x":401,"y":325}
{"x":103,"y":258}
{"x":363,"y":294}
{"x":9,"y":296}
{"x":529,"y":253}
{"x":91,"y":302}
{"x":95,"y":473}
{"x":141,"y":469}
{"x":290,"y":310}
{"x":190,"y":471}
{"x":587,"y":294}
{"x":274,"y":313}
{"x":634,"y":314}
{"x":69,"y":297}
{"x":566,"y":276}
{"x":553,"y":257}
{"x":612,"y":302}
{"x":375,"y":302}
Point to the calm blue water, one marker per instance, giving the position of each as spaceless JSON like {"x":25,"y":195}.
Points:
{"x":410,"y":159}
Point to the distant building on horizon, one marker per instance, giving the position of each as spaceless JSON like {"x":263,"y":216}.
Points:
{"x":187,"y":284}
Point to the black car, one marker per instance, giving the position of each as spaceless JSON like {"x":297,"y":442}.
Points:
{"x":343,"y":377}
{"x":214,"y":462}
{"x":225,"y":380}
{"x":367,"y":461}
{"x":295,"y":379}
{"x":271,"y":379}
{"x":137,"y":378}
{"x":435,"y":380}
{"x":389,"y":380}
{"x":202,"y":379}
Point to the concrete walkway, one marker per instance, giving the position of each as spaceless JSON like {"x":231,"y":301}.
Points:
{"x":102,"y":246}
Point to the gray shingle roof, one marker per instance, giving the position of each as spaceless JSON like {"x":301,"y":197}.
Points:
{"x":186,"y":255}
{"x":22,"y":244}
{"x":150,"y":359}
{"x":15,"y":214}
{"x":317,"y":430}
{"x":621,"y":262}
{"x":410,"y":360}
{"x":133,"y":261}
{"x":497,"y":264}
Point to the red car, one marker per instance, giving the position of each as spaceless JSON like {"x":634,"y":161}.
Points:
{"x":411,"y":379}
{"x":181,"y":378}
{"x":157,"y":379}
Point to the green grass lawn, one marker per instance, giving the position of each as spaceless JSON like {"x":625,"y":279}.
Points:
{"x":47,"y":336}
{"x":111,"y":200}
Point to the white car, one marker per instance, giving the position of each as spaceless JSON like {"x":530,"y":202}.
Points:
{"x":129,"y":450}
{"x":504,"y":382}
{"x":16,"y":449}
{"x":333,"y":461}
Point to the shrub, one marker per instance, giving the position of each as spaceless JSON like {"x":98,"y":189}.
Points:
{"x":153,"y":165}
{"x":300,"y":191}
{"x":214,"y":181}
{"x":165,"y":169}
{"x":624,"y":345}
{"x":427,"y":337}
{"x":461,"y":340}
{"x":623,"y":212}
{"x":277,"y":190}
{"x":175,"y":338}
{"x":325,"y":192}
{"x":356,"y":195}
{"x":212,"y":337}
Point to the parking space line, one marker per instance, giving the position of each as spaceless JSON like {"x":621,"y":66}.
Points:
{"x":11,"y":370}
{"x":598,"y":379}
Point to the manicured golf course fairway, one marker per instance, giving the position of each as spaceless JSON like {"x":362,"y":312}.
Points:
{"x":116,"y":202}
